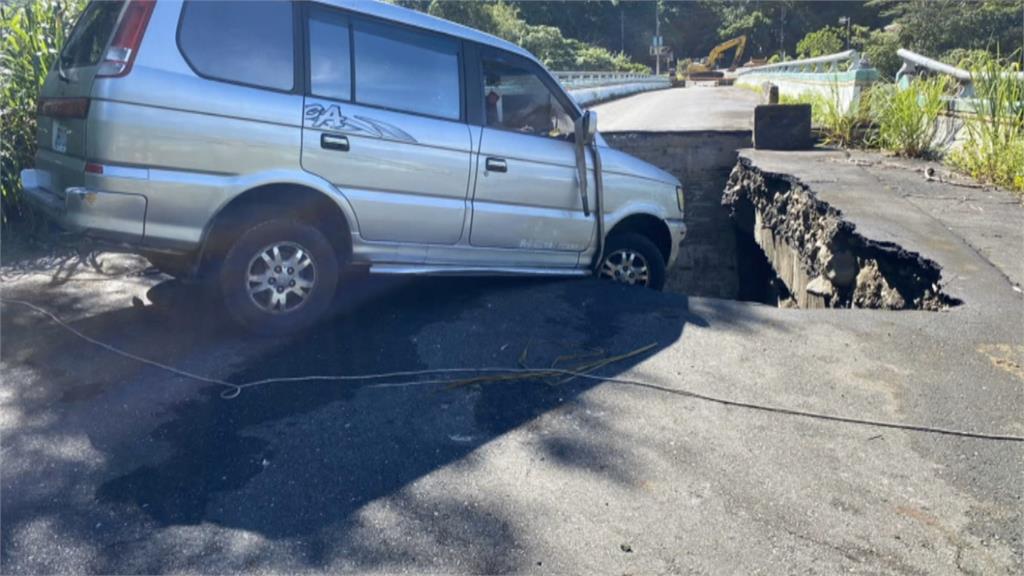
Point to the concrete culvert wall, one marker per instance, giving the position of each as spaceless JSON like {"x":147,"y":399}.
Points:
{"x":818,"y":257}
{"x":702,"y":161}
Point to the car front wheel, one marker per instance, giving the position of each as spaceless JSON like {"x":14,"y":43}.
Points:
{"x":633,"y":259}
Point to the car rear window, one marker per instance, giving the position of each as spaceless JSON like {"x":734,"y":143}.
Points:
{"x":244,"y":42}
{"x":91,"y":34}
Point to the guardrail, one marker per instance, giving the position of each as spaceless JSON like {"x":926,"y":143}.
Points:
{"x":839,"y":62}
{"x":962,"y":104}
{"x":593,"y":87}
{"x":588,"y":79}
{"x":915,"y":64}
{"x":842,"y":77}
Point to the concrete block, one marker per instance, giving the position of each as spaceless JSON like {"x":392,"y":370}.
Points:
{"x":782,"y":127}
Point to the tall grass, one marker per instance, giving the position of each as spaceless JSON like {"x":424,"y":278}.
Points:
{"x":994,"y":148}
{"x":838,"y":124}
{"x":31,"y":33}
{"x":906,"y":118}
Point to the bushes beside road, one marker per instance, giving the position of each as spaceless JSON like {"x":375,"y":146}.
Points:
{"x":994,"y":148}
{"x":904,"y":120}
{"x":31,"y":34}
{"x":907,"y":118}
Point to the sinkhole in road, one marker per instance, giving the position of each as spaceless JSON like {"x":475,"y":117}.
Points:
{"x":767,"y":237}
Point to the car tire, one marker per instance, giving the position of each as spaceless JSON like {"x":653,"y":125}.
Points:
{"x":633,"y":259}
{"x":278,"y":277}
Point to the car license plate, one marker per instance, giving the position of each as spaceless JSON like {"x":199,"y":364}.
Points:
{"x":60,"y":138}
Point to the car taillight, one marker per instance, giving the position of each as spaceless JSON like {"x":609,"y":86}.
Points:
{"x":63,"y":107}
{"x":117,"y":61}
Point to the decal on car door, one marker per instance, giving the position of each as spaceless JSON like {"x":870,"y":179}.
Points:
{"x":331,"y":117}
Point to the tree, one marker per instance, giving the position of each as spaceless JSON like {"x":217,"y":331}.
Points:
{"x":827,"y":40}
{"x":933,"y":28}
{"x":880,"y":50}
{"x":547,"y":42}
{"x":754,"y":20}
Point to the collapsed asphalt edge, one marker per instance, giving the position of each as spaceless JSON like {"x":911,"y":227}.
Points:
{"x":818,"y":254}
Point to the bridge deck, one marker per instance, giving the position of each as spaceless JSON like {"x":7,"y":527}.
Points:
{"x":721,"y":108}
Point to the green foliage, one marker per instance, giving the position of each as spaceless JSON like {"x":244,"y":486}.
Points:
{"x":31,"y":34}
{"x":691,"y":29}
{"x":779,"y":25}
{"x":906,"y":118}
{"x":964,"y":57}
{"x":880,"y":50}
{"x":827,"y":40}
{"x":755,"y":24}
{"x":994,"y":148}
{"x":832,"y":39}
{"x":933,"y":27}
{"x":546,"y":42}
{"x":838,"y":124}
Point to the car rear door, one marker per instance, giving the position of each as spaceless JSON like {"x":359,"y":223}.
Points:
{"x":527,"y":193}
{"x":64,"y":98}
{"x":384,"y":122}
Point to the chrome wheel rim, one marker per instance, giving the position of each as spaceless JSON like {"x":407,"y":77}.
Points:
{"x":626,"y":267}
{"x":280,"y":278}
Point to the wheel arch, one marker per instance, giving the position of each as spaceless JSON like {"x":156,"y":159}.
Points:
{"x":648,"y":225}
{"x":305,"y":202}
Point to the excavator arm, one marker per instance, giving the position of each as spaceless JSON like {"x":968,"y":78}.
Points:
{"x":739,"y":42}
{"x":706,"y":70}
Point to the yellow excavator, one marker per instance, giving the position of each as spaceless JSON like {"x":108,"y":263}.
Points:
{"x":705,"y":69}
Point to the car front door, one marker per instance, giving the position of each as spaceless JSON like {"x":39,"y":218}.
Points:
{"x":384,"y":122}
{"x":527,"y":193}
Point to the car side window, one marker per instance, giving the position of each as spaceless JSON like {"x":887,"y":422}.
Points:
{"x":330,"y":60}
{"x":515,"y":98}
{"x":244,"y":42}
{"x":407,"y":70}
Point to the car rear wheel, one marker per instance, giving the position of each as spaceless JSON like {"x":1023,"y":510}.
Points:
{"x":279,"y":277}
{"x":634,"y":260}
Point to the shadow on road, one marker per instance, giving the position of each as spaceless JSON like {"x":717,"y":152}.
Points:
{"x":298,"y":462}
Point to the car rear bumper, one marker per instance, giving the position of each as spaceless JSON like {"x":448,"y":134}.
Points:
{"x":114,"y":216}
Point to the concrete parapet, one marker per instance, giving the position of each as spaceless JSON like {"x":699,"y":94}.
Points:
{"x":593,"y":95}
{"x":844,"y":86}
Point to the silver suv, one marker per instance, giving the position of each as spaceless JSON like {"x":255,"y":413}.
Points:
{"x":267,"y":145}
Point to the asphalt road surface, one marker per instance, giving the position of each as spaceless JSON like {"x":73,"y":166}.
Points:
{"x":110,"y":466}
{"x":681,"y":109}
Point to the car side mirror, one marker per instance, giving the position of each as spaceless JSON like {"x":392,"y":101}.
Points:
{"x":586,"y":127}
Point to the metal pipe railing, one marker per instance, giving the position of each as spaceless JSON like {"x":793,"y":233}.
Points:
{"x":828,"y":63}
{"x":587,"y":79}
{"x":913,"y":63}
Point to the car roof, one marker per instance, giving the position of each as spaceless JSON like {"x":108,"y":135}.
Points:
{"x":422,"y":20}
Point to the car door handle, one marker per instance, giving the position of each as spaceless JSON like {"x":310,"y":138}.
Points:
{"x":332,"y":142}
{"x":496,"y":165}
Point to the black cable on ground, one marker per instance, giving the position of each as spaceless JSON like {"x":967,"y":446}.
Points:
{"x":504,"y":374}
